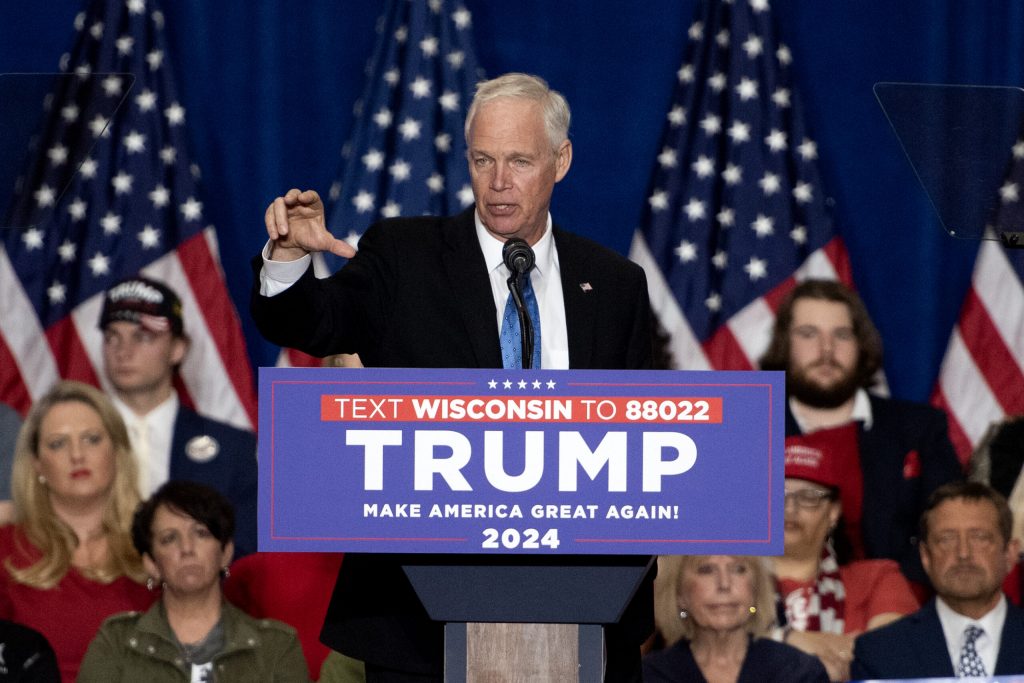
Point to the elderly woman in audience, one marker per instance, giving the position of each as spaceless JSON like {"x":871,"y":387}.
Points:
{"x":184,"y":534}
{"x":823,"y":604}
{"x":68,"y":560}
{"x":713,"y":612}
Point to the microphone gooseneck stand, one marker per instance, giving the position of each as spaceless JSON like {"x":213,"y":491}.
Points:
{"x":519,"y":259}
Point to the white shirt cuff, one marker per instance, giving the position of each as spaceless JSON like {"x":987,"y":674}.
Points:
{"x":277,"y":276}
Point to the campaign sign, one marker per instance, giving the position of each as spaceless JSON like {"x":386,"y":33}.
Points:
{"x":524,"y":462}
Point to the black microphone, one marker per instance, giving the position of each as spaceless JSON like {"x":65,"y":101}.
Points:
{"x":519,"y":259}
{"x":518,"y":256}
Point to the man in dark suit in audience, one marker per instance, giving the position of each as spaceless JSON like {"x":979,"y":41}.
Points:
{"x":431,"y":292}
{"x":970,"y":628}
{"x":831,"y":351}
{"x":144,"y":342}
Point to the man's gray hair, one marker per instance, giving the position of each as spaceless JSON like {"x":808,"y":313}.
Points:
{"x":525,"y":86}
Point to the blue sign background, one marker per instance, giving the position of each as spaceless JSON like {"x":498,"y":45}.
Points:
{"x":312,"y":494}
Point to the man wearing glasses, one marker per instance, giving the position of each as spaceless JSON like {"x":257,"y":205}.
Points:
{"x":969,"y":629}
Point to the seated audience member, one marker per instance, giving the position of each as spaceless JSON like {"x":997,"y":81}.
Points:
{"x":26,"y":655}
{"x":68,"y":560}
{"x":830,"y":350}
{"x":292,"y":587}
{"x":144,"y":343}
{"x":823,"y":603}
{"x":10,"y":423}
{"x":969,"y":629}
{"x":339,"y":668}
{"x":184,"y":534}
{"x":713,"y":613}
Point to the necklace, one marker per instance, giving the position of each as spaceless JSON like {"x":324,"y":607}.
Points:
{"x":204,"y":649}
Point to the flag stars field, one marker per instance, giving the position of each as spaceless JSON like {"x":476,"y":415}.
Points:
{"x":113,"y":219}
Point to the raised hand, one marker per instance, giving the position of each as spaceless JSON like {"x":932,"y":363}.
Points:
{"x":296,"y":225}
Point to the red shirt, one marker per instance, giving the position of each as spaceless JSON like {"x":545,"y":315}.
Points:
{"x":70,"y":614}
{"x":872,"y":587}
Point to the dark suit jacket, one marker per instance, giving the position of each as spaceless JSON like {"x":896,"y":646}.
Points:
{"x":903,"y":457}
{"x":765,"y":662}
{"x":232,"y":470}
{"x":915,"y":647}
{"x":418,"y":295}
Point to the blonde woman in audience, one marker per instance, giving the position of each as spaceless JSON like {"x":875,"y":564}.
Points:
{"x":68,"y":560}
{"x":713,"y":613}
{"x":184,"y":533}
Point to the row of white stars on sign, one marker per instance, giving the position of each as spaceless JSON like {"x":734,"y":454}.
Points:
{"x":522,"y":384}
{"x":1010,"y":191}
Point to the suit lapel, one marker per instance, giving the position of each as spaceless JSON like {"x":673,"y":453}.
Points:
{"x":580,"y":314}
{"x":470,"y":288}
{"x":930,"y":643}
{"x":1011,"y":644}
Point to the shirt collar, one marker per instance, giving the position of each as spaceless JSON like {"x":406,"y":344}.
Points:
{"x":862,"y":409}
{"x":861,"y":412}
{"x":163,"y":413}
{"x":491,"y":247}
{"x":954,"y":623}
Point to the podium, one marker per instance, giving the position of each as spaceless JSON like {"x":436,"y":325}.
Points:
{"x":539,"y":619}
{"x":525,"y":508}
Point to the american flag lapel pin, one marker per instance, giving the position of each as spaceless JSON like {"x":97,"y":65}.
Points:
{"x":585,"y":286}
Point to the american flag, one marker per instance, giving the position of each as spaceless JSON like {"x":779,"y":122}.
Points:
{"x":982,"y":375}
{"x":407,"y":154}
{"x":736,"y":212}
{"x":132,"y":205}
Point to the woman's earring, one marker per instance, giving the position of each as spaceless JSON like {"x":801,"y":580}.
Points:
{"x":683,"y":614}
{"x":753,"y":609}
{"x":150,"y":583}
{"x":42,"y":480}
{"x":225,"y":572}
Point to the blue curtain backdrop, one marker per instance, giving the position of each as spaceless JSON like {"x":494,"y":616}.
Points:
{"x":269,"y":88}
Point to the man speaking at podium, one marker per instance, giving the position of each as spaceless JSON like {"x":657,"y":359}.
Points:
{"x":432,"y":292}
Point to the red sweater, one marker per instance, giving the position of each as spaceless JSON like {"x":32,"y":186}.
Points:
{"x":70,"y":614}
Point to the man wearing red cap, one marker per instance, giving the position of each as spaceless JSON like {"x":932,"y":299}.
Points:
{"x":144,"y":342}
{"x":830,"y":350}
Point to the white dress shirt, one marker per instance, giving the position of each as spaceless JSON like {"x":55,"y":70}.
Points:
{"x":150,"y":436}
{"x":546,"y":278}
{"x":987,"y":644}
{"x":861,"y":412}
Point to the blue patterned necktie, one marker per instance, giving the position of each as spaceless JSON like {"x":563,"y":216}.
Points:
{"x":970,"y":663}
{"x":511,"y":335}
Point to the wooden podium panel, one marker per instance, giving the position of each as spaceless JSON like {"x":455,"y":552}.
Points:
{"x":523,"y":653}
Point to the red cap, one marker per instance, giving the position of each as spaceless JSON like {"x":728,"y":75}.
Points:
{"x":822,"y":456}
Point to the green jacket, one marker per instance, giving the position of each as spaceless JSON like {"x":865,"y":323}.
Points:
{"x":137,"y":646}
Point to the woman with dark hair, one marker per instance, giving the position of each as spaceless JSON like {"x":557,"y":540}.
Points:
{"x":183,"y":533}
{"x":68,"y":561}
